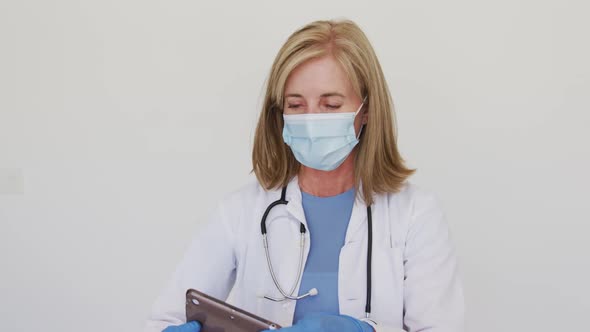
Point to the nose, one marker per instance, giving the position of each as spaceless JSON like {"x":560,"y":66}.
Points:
{"x":313,"y":107}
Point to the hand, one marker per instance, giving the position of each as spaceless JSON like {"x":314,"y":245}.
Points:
{"x":188,"y":327}
{"x":322,"y":322}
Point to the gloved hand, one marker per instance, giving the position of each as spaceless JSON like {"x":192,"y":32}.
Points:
{"x":322,"y":322}
{"x":188,"y":327}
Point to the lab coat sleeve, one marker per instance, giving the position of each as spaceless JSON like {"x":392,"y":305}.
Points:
{"x":208,"y":265}
{"x":433,"y":295}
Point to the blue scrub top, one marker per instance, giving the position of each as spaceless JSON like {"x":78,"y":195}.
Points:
{"x":327,"y":220}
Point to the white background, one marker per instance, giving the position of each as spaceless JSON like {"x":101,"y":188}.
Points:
{"x":122,"y":122}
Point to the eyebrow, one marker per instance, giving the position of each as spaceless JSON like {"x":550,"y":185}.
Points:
{"x":328,"y":94}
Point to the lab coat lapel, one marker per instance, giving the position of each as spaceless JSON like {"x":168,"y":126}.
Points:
{"x":358,"y":218}
{"x":295,"y":206}
{"x":351,"y":271}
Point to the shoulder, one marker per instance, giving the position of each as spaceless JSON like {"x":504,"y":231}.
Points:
{"x":237,"y":208}
{"x":246,"y":195}
{"x":415,"y":208}
{"x":414,"y":198}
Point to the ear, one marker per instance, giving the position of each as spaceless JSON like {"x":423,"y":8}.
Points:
{"x":365,"y":115}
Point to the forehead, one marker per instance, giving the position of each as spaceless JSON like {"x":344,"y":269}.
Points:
{"x":317,"y":76}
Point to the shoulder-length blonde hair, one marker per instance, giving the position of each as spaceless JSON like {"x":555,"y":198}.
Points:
{"x":378,"y":164}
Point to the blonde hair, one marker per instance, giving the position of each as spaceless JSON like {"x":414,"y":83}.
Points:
{"x":378,"y":165}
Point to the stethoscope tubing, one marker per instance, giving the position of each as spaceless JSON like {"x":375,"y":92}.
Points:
{"x":302,"y":230}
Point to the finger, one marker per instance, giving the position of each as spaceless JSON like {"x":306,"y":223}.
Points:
{"x":193,"y":326}
{"x":285,"y":329}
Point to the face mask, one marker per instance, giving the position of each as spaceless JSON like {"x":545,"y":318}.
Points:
{"x":321,"y":140}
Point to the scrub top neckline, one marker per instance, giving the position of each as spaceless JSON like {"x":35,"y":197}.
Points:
{"x":337,"y":196}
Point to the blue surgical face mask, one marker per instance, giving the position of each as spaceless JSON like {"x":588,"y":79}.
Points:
{"x":321,"y":140}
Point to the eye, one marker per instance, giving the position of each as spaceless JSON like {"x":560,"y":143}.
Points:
{"x":294,"y":106}
{"x":332,"y":107}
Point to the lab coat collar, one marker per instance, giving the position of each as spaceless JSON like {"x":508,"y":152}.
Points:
{"x":293,"y":196}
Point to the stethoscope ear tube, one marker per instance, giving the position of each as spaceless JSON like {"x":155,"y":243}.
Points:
{"x":273,"y":204}
{"x":369,"y":260}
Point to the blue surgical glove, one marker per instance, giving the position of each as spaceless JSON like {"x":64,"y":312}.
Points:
{"x":188,"y":327}
{"x":323,"y":322}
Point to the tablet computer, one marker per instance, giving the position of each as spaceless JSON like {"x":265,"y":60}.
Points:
{"x":218,"y":316}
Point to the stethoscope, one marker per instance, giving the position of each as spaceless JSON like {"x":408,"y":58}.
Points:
{"x":302,"y":231}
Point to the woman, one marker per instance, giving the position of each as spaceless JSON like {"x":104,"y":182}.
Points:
{"x":374,"y":245}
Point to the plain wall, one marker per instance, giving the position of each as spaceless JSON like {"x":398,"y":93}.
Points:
{"x":122,"y":122}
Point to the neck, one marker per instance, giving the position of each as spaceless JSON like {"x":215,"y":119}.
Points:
{"x":327,"y":183}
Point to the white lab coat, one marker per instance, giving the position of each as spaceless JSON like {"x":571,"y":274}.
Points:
{"x":415,"y":286}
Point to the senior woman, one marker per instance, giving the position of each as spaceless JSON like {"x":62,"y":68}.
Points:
{"x":376,"y":251}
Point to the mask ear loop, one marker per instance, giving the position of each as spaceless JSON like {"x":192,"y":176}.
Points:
{"x":355,"y":114}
